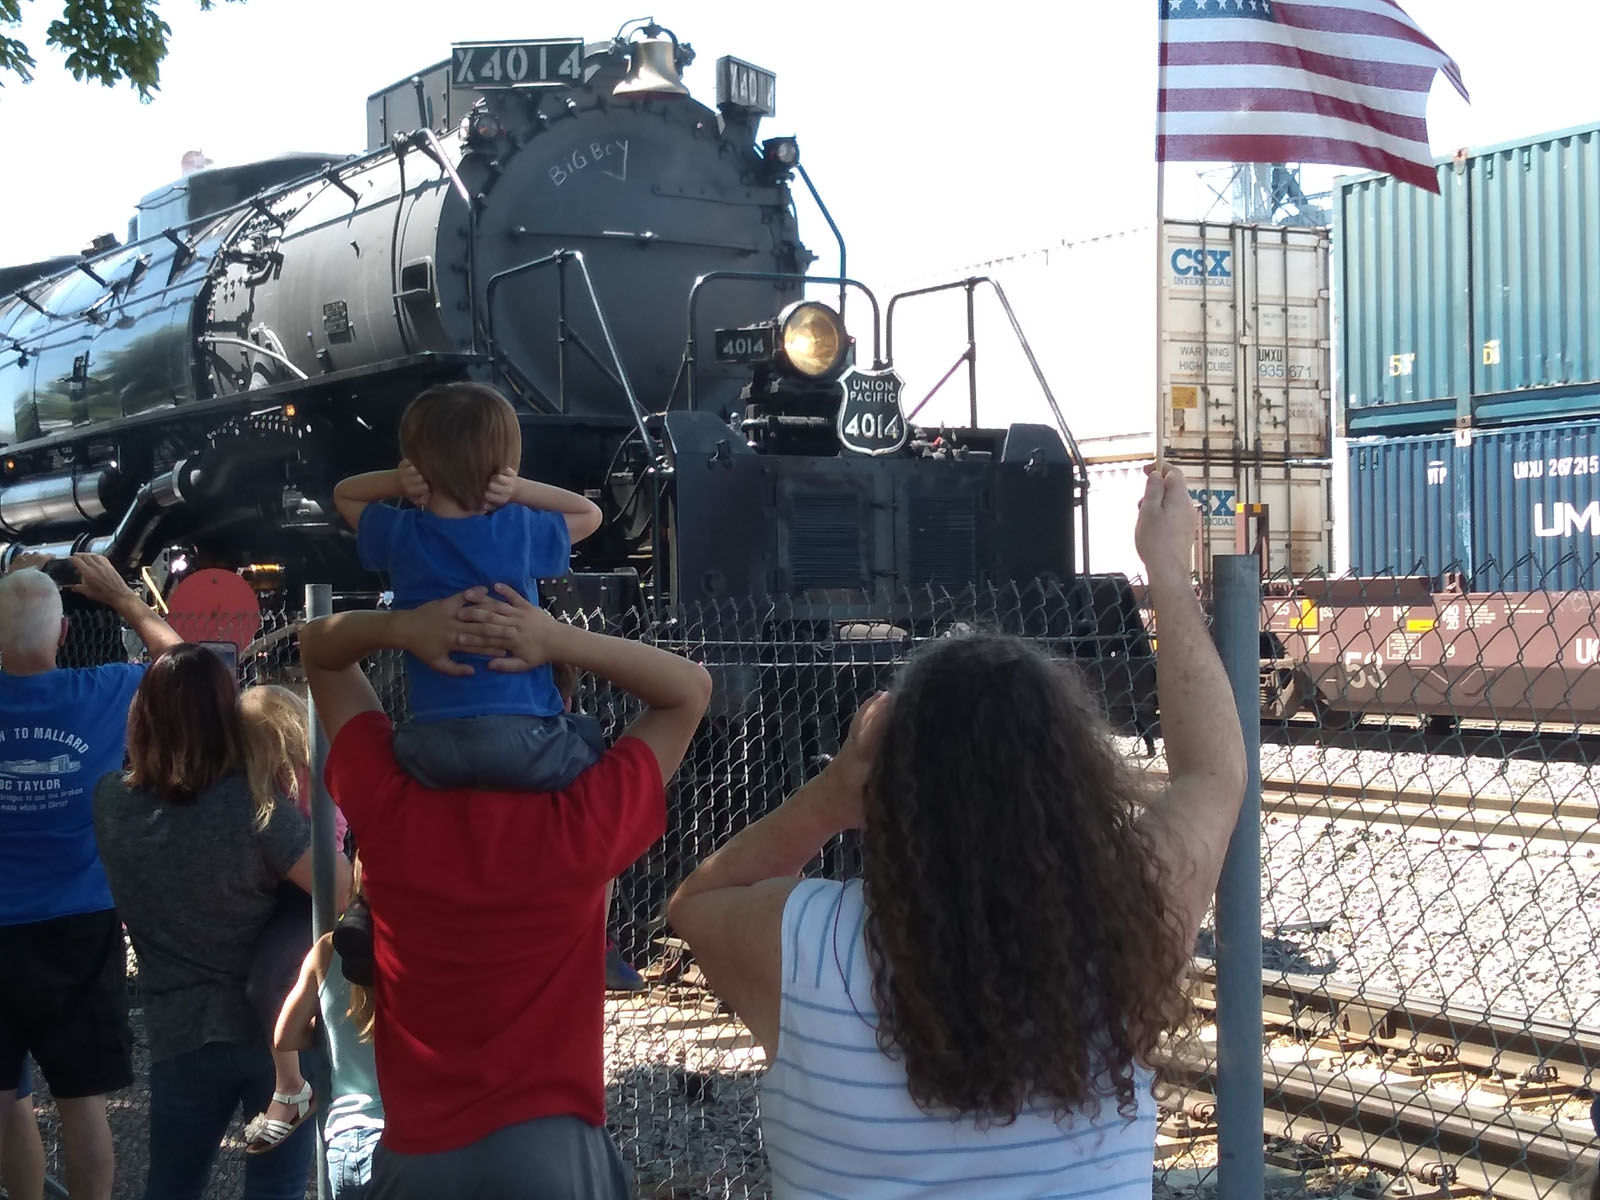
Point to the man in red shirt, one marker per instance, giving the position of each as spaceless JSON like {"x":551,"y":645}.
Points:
{"x":488,"y":908}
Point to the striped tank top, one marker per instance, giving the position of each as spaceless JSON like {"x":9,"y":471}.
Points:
{"x":839,"y":1124}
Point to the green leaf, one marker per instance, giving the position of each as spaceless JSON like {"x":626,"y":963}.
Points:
{"x":106,"y":41}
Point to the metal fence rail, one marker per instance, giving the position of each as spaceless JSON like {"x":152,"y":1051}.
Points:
{"x":1428,"y":881}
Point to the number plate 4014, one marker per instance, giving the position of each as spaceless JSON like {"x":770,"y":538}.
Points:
{"x":547,"y":63}
{"x":870,"y":418}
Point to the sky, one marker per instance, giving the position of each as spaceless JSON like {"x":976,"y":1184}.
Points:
{"x":936,"y":141}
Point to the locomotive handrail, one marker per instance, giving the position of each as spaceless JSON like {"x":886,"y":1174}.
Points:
{"x":970,"y":357}
{"x":816,"y":198}
{"x":277,"y":189}
{"x":560,"y":258}
{"x":687,"y":367}
{"x":183,"y":250}
{"x":428,"y":142}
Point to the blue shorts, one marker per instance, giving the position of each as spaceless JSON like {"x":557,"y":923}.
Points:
{"x":501,"y":753}
{"x":25,"y":1080}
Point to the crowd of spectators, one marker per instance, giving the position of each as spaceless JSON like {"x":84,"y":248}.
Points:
{"x":975,"y":1016}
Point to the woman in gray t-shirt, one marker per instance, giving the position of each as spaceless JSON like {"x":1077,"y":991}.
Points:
{"x":195,"y":874}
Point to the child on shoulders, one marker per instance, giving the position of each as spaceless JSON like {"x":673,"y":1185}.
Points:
{"x":475,"y":523}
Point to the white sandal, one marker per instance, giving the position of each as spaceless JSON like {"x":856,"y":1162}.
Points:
{"x":265,"y":1133}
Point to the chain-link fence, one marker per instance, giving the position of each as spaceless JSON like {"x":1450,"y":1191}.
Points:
{"x":681,"y":1071}
{"x":1431,"y":1004}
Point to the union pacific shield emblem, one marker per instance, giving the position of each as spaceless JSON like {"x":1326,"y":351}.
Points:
{"x":870,"y":418}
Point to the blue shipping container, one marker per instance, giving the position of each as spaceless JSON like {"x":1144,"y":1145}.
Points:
{"x":1513,"y":509}
{"x":1480,"y":305}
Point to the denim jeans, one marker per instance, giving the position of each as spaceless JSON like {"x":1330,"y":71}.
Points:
{"x":193,"y":1098}
{"x":549,"y":1158}
{"x":350,"y":1162}
{"x":500,"y":753}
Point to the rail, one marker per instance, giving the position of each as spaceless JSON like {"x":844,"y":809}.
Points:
{"x":970,"y":357}
{"x":559,"y":259}
{"x":1481,"y":814}
{"x":1389,"y":1117}
{"x":688,"y":367}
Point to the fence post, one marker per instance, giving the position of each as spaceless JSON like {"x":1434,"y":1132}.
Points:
{"x":1236,"y":626}
{"x":319,"y":603}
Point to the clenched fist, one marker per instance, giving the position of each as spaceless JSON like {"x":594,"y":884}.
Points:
{"x":1165,"y":533}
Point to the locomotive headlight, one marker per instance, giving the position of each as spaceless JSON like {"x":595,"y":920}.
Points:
{"x":812,"y":339}
{"x":781,"y":152}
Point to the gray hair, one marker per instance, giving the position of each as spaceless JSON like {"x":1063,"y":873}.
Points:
{"x":30,"y":613}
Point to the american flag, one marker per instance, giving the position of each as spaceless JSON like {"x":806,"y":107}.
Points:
{"x":1342,"y":82}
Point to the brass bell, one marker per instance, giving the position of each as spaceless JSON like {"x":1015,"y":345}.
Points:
{"x":652,"y":68}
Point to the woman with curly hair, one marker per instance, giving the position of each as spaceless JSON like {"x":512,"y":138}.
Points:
{"x":977,"y":1015}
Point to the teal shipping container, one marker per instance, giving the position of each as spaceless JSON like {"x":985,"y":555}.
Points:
{"x":1478,"y":306}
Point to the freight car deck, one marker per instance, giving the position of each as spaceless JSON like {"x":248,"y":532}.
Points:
{"x":1354,"y":649}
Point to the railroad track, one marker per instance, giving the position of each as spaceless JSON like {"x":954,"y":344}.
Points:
{"x":1483,"y":1141}
{"x":1572,"y":821}
{"x":1321,"y":1108}
{"x":1508,"y":740}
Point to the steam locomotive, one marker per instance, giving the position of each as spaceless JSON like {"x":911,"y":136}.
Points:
{"x":563,"y":220}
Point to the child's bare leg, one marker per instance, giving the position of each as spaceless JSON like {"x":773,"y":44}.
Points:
{"x":288,"y":1081}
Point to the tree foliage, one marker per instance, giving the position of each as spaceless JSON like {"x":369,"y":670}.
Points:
{"x":104,"y":40}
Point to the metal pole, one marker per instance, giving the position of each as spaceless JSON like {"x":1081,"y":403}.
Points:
{"x":319,"y":603}
{"x":972,"y":356}
{"x":1236,"y":626}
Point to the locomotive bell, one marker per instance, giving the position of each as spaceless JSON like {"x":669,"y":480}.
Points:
{"x":652,"y":68}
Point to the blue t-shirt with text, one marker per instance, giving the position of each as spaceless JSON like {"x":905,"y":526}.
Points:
{"x":60,"y":732}
{"x":429,"y":557}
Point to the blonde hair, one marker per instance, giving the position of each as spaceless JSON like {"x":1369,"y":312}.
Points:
{"x":277,"y":746}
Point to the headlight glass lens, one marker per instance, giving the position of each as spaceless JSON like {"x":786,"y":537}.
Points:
{"x":814,"y":339}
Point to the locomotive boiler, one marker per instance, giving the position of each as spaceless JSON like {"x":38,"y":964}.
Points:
{"x":563,"y":220}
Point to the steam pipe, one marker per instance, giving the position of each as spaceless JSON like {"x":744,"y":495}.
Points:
{"x":149,"y":503}
{"x":210,"y":339}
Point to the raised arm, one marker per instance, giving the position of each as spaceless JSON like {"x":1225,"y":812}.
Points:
{"x":730,"y":909}
{"x":675,"y":690}
{"x":353,"y":493}
{"x":100,"y":581}
{"x":582,"y":514}
{"x":1195,"y":816}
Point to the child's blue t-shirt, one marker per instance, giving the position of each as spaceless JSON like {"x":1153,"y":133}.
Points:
{"x":429,"y":557}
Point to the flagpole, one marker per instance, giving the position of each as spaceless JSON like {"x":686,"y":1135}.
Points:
{"x":1161,"y":316}
{"x":1161,"y":244}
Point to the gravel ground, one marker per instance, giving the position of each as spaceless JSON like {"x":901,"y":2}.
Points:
{"x":1474,"y":921}
{"x":1478,"y":922}
{"x":130,"y":1112}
